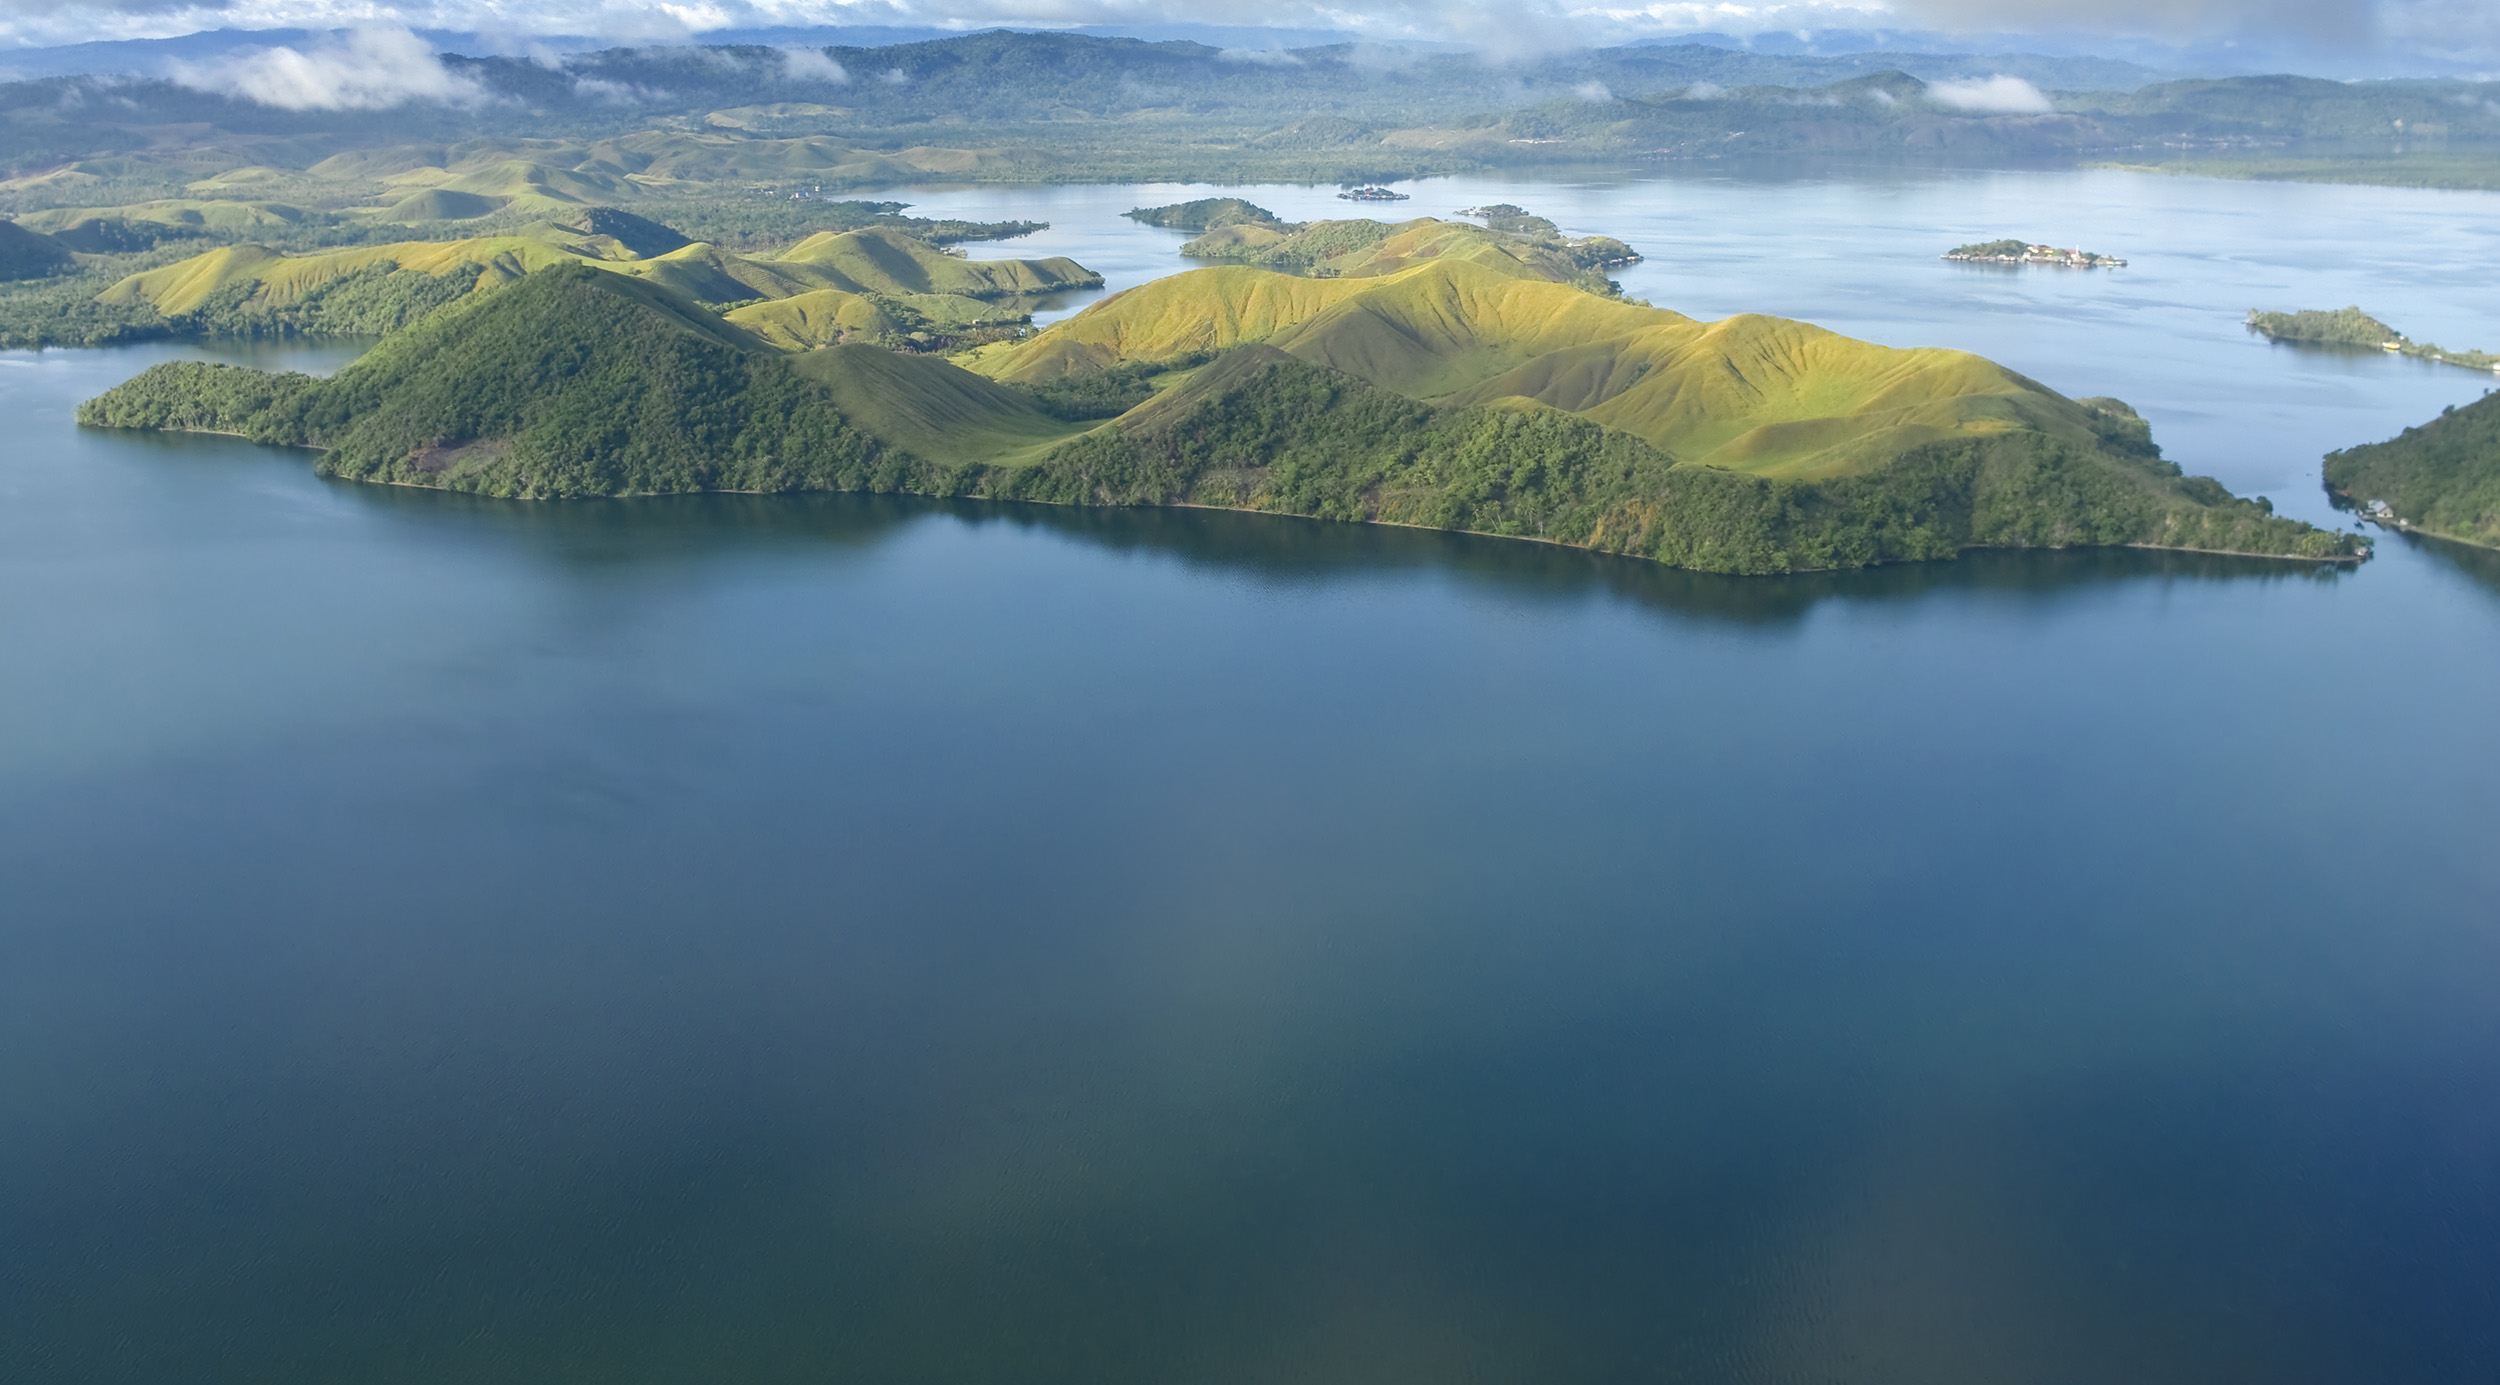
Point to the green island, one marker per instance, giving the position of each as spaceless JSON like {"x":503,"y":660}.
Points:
{"x":2026,"y":252}
{"x":1205,"y":214}
{"x":1478,"y":389}
{"x":2352,"y":328}
{"x":1244,"y":233}
{"x":2440,"y":478}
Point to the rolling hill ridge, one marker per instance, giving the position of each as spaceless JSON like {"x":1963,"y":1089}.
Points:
{"x":1287,"y":395}
{"x":1750,"y":393}
{"x":875,"y":282}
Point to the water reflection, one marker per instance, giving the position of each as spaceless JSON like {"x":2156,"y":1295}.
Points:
{"x":739,"y":937}
{"x":2480,"y":564}
{"x":1287,"y":548}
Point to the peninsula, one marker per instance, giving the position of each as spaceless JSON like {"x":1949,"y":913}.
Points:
{"x":2026,"y":252}
{"x":2441,"y":478}
{"x":2354,"y":329}
{"x":1480,"y":391}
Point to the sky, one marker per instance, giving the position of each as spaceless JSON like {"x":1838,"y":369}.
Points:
{"x":2459,"y":29}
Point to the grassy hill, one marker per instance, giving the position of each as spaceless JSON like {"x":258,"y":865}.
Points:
{"x":1750,"y":393}
{"x":238,"y":288}
{"x":1263,"y":430}
{"x":1202,"y":311}
{"x":1361,"y":248}
{"x":179,"y":216}
{"x":882,"y":260}
{"x":2441,"y":478}
{"x":806,"y":321}
{"x":916,"y":322}
{"x":932,"y":409}
{"x":573,"y":382}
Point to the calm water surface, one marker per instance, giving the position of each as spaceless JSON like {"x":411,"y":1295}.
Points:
{"x":742,"y":939}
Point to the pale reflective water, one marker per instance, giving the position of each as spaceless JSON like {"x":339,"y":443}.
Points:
{"x":1858,"y":250}
{"x":757,"y":939}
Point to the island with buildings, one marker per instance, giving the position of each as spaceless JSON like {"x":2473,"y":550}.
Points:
{"x":2026,"y":252}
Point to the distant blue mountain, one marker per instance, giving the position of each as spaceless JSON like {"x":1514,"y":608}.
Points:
{"x":2068,"y":62}
{"x":150,"y":55}
{"x":2150,"y":59}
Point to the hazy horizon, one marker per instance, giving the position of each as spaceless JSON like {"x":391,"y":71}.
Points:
{"x":2315,"y":37}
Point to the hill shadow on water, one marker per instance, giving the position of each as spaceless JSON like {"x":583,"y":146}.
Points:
{"x":1283,"y":548}
{"x":2480,"y":565}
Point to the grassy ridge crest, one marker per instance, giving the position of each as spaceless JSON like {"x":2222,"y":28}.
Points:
{"x":875,"y":261}
{"x":574,"y":382}
{"x":1748,"y":393}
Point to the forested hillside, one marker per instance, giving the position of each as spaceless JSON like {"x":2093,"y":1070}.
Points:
{"x":575,"y":382}
{"x":2442,"y":477}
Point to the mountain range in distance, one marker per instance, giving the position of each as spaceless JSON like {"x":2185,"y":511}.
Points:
{"x":2097,"y":62}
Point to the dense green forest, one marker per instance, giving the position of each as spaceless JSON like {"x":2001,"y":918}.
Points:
{"x":61,"y":309}
{"x":571,"y":382}
{"x":2441,"y":478}
{"x":1277,"y":434}
{"x":1205,"y":214}
{"x":2340,"y":327}
{"x":2471,"y":166}
{"x":574,"y":382}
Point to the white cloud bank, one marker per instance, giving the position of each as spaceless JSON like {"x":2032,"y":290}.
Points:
{"x":2451,"y":29}
{"x":811,"y":65}
{"x":1992,"y":95}
{"x":369,"y":70}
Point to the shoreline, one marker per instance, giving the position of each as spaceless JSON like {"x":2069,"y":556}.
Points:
{"x":2353,"y":559}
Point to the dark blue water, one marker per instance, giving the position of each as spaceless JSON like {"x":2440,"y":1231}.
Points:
{"x":744,"y":939}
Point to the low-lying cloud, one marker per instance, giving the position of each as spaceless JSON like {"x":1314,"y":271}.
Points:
{"x":618,"y":93}
{"x":1998,"y":95}
{"x":1502,"y":30}
{"x":366,"y":71}
{"x":811,"y":65}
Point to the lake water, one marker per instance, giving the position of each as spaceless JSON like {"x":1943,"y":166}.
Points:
{"x":788,"y":939}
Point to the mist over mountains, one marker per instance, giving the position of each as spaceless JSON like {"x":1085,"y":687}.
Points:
{"x":2133,"y":40}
